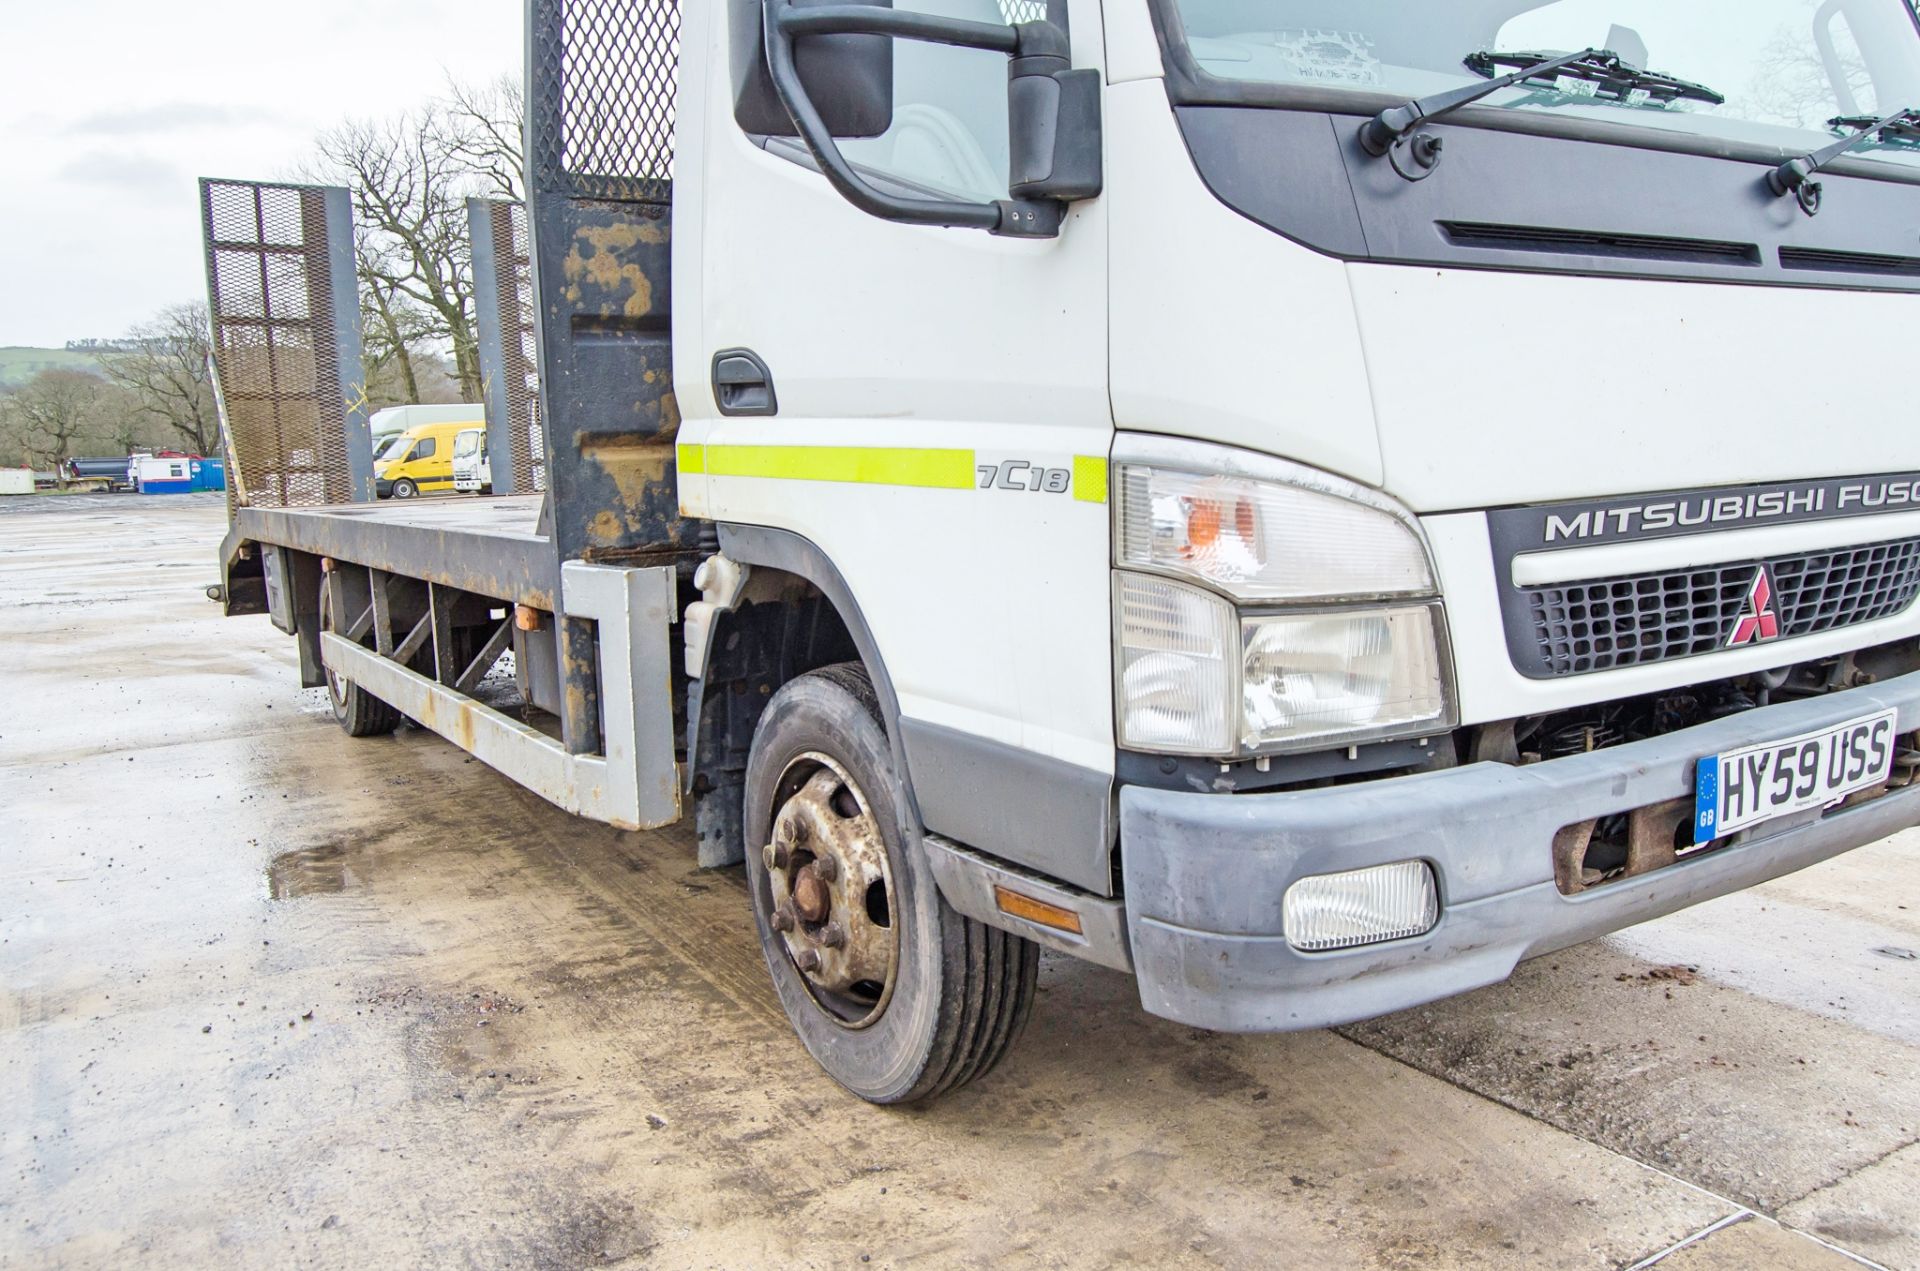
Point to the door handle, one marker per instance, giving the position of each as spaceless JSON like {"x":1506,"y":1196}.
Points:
{"x":742,"y":384}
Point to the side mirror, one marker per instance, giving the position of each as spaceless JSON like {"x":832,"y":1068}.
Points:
{"x":849,"y":78}
{"x":1053,"y":113}
{"x":1053,"y":116}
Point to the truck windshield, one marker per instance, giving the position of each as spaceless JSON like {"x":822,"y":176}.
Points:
{"x":466,"y":445}
{"x":1791,"y":70}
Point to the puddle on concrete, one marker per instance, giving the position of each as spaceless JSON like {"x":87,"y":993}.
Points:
{"x":313,"y":871}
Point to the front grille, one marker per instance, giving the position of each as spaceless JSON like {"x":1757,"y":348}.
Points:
{"x":1607,"y":623}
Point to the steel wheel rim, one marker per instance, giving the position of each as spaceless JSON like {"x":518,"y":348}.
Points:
{"x":838,"y":924}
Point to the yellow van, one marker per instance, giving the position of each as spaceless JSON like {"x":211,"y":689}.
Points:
{"x":419,"y":460}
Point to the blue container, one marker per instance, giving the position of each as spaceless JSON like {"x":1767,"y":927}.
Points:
{"x":209,"y":474}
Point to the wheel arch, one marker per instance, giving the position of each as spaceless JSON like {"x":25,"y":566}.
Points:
{"x":790,"y":553}
{"x":718,"y":740}
{"x":1053,"y":818}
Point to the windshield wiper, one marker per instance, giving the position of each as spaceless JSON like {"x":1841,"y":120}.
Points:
{"x":1388,"y":133}
{"x":1904,"y":131}
{"x":1795,"y":176}
{"x":1610,"y":75}
{"x":1380,"y":134}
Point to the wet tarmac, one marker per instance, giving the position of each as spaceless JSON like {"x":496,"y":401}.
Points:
{"x":270,"y":996}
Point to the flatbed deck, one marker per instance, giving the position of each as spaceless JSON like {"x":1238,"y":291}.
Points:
{"x":490,"y":545}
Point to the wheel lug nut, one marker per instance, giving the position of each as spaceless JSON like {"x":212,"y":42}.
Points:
{"x":776,"y":856}
{"x":827,"y":867}
{"x":807,"y":960}
{"x":833,"y":937}
{"x":788,"y":832}
{"x":783,"y":919}
{"x":811,"y":899}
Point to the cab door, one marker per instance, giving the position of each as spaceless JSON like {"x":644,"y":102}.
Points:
{"x":934,"y":419}
{"x":426,"y":461}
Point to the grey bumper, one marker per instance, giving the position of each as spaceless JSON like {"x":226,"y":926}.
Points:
{"x":1205,"y":873}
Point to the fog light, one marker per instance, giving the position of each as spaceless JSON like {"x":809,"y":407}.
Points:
{"x":1361,"y":906}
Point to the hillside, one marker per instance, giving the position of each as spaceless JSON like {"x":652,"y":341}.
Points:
{"x":18,"y":364}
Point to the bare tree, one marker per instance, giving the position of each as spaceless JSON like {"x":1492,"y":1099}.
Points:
{"x":410,"y":177}
{"x":1795,"y":87}
{"x":164,"y":368}
{"x":409,"y":197}
{"x":394,"y":331}
{"x":483,"y":129}
{"x":51,"y":412}
{"x":122,"y":424}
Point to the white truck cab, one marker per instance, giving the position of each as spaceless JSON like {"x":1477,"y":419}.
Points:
{"x":1310,"y":504}
{"x":471,"y":473}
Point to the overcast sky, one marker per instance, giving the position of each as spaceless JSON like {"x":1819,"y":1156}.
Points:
{"x":110,"y":110}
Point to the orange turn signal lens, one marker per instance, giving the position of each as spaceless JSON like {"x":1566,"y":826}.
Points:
{"x":1037,"y":911}
{"x":1203,"y":523}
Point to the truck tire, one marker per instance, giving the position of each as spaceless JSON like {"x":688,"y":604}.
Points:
{"x":354,"y":709}
{"x":895,"y":994}
{"x":404,"y":488}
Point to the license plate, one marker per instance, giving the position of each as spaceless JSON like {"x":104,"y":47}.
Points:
{"x":1814,"y":770}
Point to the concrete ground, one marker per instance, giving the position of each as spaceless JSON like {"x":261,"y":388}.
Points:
{"x":270,"y":996}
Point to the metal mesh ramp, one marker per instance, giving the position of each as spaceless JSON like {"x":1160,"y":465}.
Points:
{"x":606,"y":71}
{"x":509,"y":361}
{"x":286,"y":341}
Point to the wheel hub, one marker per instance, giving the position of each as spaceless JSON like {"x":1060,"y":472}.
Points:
{"x":832,"y":892}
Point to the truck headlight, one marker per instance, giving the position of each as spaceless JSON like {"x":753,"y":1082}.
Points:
{"x":1255,"y":616}
{"x":1259,"y":540}
{"x":1350,"y":675}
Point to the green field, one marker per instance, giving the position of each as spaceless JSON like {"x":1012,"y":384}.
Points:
{"x":18,"y":365}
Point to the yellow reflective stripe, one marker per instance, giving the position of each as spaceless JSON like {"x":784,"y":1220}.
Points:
{"x":863,"y":465}
{"x":1090,"y":478}
{"x":869,"y":465}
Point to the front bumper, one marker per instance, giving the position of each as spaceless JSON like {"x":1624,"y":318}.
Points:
{"x":382,"y":488}
{"x":1205,"y":873}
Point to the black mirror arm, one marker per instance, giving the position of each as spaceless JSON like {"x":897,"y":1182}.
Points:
{"x":861,"y":19}
{"x":785,"y":23}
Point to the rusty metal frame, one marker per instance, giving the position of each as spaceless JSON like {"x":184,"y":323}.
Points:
{"x":635,"y":783}
{"x":1650,"y":845}
{"x":601,"y":77}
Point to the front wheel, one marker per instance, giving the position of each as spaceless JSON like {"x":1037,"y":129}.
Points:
{"x":895,"y":994}
{"x":404,"y":488}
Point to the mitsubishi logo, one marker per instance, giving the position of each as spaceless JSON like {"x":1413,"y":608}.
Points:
{"x":1758,"y":621}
